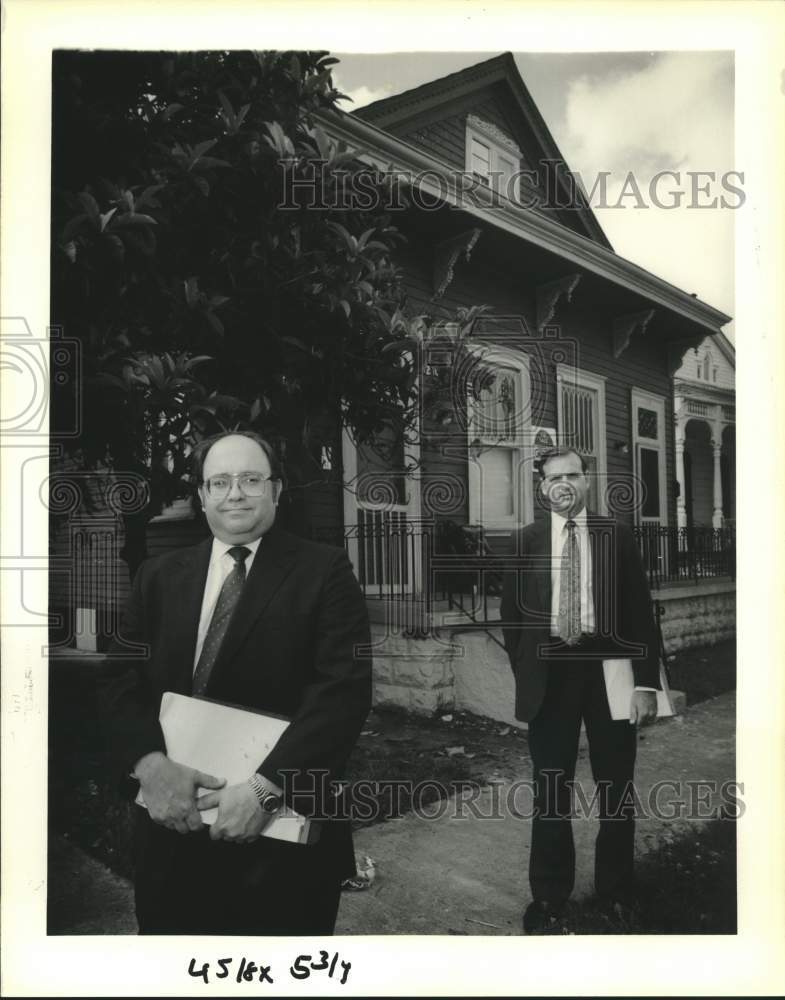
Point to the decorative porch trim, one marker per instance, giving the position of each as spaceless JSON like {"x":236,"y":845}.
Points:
{"x":625,"y":326}
{"x":548,"y":296}
{"x":447,"y":254}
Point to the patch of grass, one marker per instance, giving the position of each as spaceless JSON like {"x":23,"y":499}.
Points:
{"x":704,"y":672}
{"x":686,"y":886}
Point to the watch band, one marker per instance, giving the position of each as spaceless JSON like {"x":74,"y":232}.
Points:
{"x":268,"y":800}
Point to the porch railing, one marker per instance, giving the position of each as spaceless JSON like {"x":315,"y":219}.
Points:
{"x":412,"y":570}
{"x":391,"y":557}
{"x":684,"y":555}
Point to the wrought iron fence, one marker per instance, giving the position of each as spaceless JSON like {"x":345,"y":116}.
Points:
{"x":411,"y":567}
{"x":674,"y":555}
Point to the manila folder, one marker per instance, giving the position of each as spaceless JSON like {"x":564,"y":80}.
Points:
{"x":619,"y":685}
{"x":229,"y":743}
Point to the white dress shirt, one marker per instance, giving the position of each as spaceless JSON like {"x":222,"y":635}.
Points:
{"x":559,"y":535}
{"x":221,"y":565}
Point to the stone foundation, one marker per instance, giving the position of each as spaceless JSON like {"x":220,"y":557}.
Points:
{"x":414,"y":674}
{"x":469,"y":671}
{"x":697,"y":615}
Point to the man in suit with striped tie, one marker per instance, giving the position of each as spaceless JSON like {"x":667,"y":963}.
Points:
{"x":577,"y":596}
{"x":260,"y":619}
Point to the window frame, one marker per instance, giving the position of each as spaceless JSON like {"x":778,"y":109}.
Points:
{"x":650,"y":401}
{"x":519,"y":445}
{"x":496,"y":150}
{"x":576,"y":378}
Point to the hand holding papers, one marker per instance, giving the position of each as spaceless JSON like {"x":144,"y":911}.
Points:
{"x":230,"y":743}
{"x":620,"y":683}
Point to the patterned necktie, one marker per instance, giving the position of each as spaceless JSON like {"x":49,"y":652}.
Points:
{"x":227,"y":601}
{"x":569,"y":623}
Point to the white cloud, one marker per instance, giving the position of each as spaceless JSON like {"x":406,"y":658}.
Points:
{"x":361,"y":95}
{"x":674,"y":114}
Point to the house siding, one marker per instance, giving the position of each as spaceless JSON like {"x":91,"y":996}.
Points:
{"x":443,"y":135}
{"x":583,"y":332}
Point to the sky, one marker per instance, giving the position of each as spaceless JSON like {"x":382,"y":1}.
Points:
{"x":619,"y":112}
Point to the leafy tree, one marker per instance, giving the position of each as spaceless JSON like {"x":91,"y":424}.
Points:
{"x":206,"y":288}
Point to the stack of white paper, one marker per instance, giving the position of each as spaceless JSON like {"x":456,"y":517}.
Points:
{"x":229,"y":743}
{"x":619,"y":684}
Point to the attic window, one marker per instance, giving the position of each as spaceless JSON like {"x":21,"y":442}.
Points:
{"x":492,"y":157}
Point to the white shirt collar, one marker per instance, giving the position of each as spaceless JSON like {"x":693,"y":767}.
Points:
{"x":560,"y":523}
{"x":221,"y":548}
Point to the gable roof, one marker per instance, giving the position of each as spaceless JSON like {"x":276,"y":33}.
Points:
{"x":390,"y":111}
{"x":726,"y":347}
{"x":386,"y":153}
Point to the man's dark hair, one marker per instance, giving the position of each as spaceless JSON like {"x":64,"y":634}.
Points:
{"x":545,"y":456}
{"x":200,"y":452}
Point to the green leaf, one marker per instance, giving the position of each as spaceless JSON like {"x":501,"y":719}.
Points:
{"x":201,"y":147}
{"x":90,"y":205}
{"x":215,"y":324}
{"x":295,"y":342}
{"x":172,"y":110}
{"x":117,"y":247}
{"x":147,"y":197}
{"x":134,"y":219}
{"x":72,"y":227}
{"x":192,"y":362}
{"x":105,"y":217}
{"x":242,"y":113}
{"x":226,"y":104}
{"x":207,"y":162}
{"x":191,"y":286}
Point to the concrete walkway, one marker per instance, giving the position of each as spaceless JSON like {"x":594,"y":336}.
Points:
{"x":461,"y":872}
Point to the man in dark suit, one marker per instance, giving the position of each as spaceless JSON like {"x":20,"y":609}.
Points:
{"x":578,"y":596}
{"x":257,"y":618}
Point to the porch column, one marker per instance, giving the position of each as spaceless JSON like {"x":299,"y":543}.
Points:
{"x":681,"y":479}
{"x":716,"y":518}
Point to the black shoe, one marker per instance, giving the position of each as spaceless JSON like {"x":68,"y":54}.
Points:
{"x":541,"y":917}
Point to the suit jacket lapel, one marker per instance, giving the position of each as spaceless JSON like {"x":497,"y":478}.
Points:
{"x":274,"y":560}
{"x":187,"y":583}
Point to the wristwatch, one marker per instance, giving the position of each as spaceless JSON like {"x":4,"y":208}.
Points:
{"x":268,"y":800}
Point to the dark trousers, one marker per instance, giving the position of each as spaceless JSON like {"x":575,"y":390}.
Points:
{"x":576,"y":691}
{"x":188,"y":884}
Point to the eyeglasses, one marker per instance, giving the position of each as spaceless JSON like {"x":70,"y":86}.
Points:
{"x":571,"y":477}
{"x":253,"y":484}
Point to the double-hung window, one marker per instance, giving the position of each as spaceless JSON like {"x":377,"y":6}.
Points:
{"x":498,"y":424}
{"x":580,"y":399}
{"x":492,"y":158}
